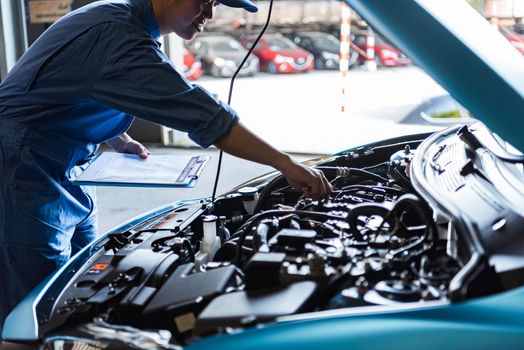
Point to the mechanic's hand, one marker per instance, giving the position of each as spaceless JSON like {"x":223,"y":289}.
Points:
{"x":310,"y":181}
{"x":125,"y":144}
{"x":135,"y":147}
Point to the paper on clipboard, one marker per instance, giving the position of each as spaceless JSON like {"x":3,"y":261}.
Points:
{"x":110,"y":168}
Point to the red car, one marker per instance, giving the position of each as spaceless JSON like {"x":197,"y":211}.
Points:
{"x":385,"y":54}
{"x":517,"y":40}
{"x":192,"y":66}
{"x":278,"y":54}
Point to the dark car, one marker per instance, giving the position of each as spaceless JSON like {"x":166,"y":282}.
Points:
{"x":221,"y":55}
{"x":324,"y":47}
{"x":419,"y":246}
{"x":278,"y":54}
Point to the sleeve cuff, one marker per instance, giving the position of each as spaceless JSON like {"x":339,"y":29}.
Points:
{"x":215,"y":128}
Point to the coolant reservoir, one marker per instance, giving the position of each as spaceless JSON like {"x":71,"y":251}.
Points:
{"x":249,"y":198}
{"x":210,"y":242}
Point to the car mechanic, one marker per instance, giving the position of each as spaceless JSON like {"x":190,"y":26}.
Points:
{"x":81,"y":84}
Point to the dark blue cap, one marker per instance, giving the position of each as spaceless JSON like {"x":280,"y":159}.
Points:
{"x":245,"y":4}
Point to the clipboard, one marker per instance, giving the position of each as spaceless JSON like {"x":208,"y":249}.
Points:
{"x":121,"y":169}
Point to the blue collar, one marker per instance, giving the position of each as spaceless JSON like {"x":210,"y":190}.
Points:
{"x":146,"y":15}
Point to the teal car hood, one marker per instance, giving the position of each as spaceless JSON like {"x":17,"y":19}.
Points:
{"x":462,"y":52}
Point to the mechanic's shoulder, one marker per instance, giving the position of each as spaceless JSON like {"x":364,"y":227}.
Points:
{"x":100,"y":12}
{"x":117,"y":17}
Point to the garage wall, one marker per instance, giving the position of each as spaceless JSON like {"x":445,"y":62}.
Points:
{"x":13,"y":41}
{"x":35,"y":29}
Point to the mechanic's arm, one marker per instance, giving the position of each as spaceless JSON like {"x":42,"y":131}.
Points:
{"x":241,"y":142}
{"x":125,"y":144}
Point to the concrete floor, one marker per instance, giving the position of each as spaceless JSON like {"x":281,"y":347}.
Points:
{"x":302,"y":112}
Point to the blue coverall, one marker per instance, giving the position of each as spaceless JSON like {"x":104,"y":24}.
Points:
{"x":80,"y":84}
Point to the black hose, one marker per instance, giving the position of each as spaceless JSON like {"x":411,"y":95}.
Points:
{"x":231,"y":90}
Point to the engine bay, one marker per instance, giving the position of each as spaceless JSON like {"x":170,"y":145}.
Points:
{"x":263,"y":252}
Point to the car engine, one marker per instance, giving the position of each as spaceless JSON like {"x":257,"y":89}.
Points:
{"x":263,"y":252}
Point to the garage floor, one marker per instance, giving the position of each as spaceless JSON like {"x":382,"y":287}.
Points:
{"x":302,"y":112}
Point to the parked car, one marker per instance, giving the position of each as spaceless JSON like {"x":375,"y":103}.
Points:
{"x":518,"y":26}
{"x":517,"y":40}
{"x":221,"y":55}
{"x":386,"y":55}
{"x":420,"y":245}
{"x":324,"y":47}
{"x":278,"y":54}
{"x":192,"y":66}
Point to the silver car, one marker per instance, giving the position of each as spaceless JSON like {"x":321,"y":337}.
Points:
{"x":221,"y":55}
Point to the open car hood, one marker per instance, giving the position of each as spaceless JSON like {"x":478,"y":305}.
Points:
{"x":482,"y":70}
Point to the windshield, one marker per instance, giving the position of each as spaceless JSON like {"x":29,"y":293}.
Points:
{"x":227,"y":45}
{"x":380,"y":41}
{"x":326,"y":43}
{"x":277,"y":44}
